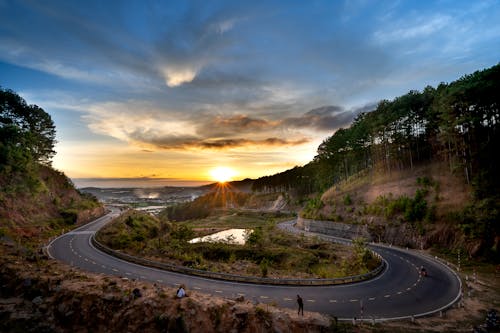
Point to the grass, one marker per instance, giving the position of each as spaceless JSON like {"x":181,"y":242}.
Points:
{"x":269,"y":251}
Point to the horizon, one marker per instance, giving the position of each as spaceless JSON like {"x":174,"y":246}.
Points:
{"x":181,"y":90}
{"x":140,"y":182}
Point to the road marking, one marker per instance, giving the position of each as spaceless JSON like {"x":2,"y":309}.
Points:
{"x":197,"y":288}
{"x":353,"y":300}
{"x":287,"y":299}
{"x":408,"y":289}
{"x":143,"y":277}
{"x":387,"y":296}
{"x":159,"y":281}
{"x":103,"y":266}
{"x":399,"y":292}
{"x":371,"y":298}
{"x":218,"y":291}
{"x":115,"y":270}
{"x":333,"y":301}
{"x":311,"y":300}
{"x":92,"y":261}
{"x":128,"y":273}
{"x":264,"y":297}
{"x":85,"y":259}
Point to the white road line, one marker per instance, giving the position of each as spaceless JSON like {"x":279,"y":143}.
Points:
{"x":218,"y":291}
{"x":333,"y":301}
{"x":387,"y":296}
{"x":264,"y":297}
{"x":353,"y":300}
{"x":311,"y":300}
{"x":371,"y":298}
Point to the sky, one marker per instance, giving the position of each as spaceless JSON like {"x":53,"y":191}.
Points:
{"x":171,"y":90}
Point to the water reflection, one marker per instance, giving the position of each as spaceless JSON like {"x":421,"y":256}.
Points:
{"x":230,"y":236}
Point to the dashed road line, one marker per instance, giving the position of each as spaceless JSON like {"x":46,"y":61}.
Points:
{"x":333,"y":301}
{"x":387,"y":296}
{"x":353,"y":300}
{"x":311,"y":300}
{"x":218,"y":291}
{"x":264,"y":297}
{"x":371,"y":298}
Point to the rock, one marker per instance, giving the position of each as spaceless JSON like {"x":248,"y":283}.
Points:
{"x":37,"y":300}
{"x":137,"y":293}
{"x":27,"y":282}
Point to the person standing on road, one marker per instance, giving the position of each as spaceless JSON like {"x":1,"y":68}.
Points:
{"x":300,"y":302}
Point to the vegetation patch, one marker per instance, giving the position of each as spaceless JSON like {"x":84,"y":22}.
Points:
{"x":268,"y":252}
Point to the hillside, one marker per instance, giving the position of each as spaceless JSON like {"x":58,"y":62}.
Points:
{"x":420,"y":208}
{"x":36,"y":201}
{"x":43,"y":205}
{"x":426,"y":161}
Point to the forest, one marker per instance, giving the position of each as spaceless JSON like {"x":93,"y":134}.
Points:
{"x":457,"y":123}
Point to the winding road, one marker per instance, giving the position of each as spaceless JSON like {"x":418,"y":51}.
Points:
{"x":398,"y":292}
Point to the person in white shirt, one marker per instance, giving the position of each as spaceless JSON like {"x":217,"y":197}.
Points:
{"x":181,"y":292}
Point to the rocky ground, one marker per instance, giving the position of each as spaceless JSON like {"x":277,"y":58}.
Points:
{"x":40,"y":295}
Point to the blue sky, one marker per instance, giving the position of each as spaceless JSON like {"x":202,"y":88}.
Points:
{"x":172,"y":89}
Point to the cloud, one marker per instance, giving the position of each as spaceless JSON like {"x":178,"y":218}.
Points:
{"x":172,"y":142}
{"x":418,"y":28}
{"x":176,"y":76}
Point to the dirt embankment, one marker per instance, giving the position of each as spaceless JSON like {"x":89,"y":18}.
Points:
{"x":368,"y":199}
{"x":44,"y":296}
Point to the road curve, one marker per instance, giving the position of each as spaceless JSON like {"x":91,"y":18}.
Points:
{"x":396,"y":293}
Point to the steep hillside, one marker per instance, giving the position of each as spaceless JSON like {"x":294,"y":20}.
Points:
{"x":41,"y":204}
{"x":36,"y":201}
{"x":422,"y":207}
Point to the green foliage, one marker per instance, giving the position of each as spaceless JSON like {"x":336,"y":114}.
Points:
{"x":26,"y":131}
{"x":69,"y":216}
{"x":264,"y":267}
{"x":347,"y":200}
{"x":312,"y":207}
{"x":457,"y":122}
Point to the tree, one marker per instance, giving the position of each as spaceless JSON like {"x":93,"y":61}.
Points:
{"x":26,"y":127}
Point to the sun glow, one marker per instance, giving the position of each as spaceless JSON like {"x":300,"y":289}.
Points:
{"x":222,"y":174}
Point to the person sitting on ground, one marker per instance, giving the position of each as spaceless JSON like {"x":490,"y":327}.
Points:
{"x":181,"y":292}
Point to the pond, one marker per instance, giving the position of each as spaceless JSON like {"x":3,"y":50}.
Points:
{"x":230,"y":236}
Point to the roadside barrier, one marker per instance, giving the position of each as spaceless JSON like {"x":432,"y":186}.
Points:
{"x":241,"y":278}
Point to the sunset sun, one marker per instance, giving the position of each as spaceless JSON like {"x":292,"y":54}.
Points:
{"x":222,"y":174}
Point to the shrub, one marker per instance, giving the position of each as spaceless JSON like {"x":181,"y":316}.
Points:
{"x":347,"y":200}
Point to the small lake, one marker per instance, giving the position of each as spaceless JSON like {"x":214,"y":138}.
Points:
{"x":230,"y":236}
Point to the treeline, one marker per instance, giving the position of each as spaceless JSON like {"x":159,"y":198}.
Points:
{"x":456,"y":122}
{"x":27,"y":133}
{"x":203,"y":206}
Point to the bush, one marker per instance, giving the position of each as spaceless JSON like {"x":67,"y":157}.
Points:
{"x":70,"y":216}
{"x":347,"y":200}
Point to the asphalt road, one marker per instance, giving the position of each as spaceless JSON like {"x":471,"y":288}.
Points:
{"x":397,"y":292}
